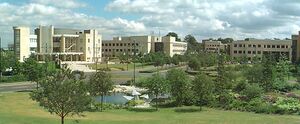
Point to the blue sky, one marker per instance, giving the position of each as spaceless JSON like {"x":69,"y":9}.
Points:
{"x":238,"y":19}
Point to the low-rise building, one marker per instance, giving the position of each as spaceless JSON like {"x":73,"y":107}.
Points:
{"x":213,"y":46}
{"x":142,"y":45}
{"x":258,"y":47}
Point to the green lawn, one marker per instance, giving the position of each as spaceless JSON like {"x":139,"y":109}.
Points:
{"x":17,"y":108}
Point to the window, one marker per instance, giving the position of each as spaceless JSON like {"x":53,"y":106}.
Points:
{"x":286,"y":46}
{"x":106,"y":44}
{"x":121,"y":44}
{"x":249,"y":52}
{"x":258,"y":45}
{"x":113,"y":44}
{"x":240,"y":52}
{"x":109,"y":44}
{"x":244,"y":51}
{"x":88,"y":48}
{"x":235,"y":51}
{"x":273,"y":46}
{"x":240,"y":45}
{"x":235,"y":45}
{"x":268,"y":46}
{"x":278,"y":46}
{"x":254,"y":45}
{"x":102,"y":44}
{"x":121,"y":50}
{"x":254,"y":52}
{"x":117,"y":50}
{"x":128,"y":50}
{"x":249,"y":45}
{"x":128,"y":44}
{"x":88,"y":40}
{"x":98,"y":40}
{"x":258,"y":52}
{"x":117,"y":44}
{"x":105,"y":50}
{"x":282,"y":46}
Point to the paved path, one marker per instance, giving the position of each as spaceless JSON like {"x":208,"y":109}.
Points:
{"x":18,"y":86}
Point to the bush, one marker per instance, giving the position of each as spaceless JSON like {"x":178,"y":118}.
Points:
{"x":132,"y":103}
{"x":187,"y":109}
{"x":252,"y":91}
{"x":290,"y":105}
{"x":14,"y":78}
{"x":240,"y":86}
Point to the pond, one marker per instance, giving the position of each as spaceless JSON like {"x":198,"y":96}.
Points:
{"x":114,"y":98}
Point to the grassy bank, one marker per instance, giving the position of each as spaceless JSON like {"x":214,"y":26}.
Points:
{"x":17,"y":108}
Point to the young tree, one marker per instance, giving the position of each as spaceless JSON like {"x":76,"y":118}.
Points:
{"x":100,"y":84}
{"x":203,"y":88}
{"x":33,"y":70}
{"x":62,"y":94}
{"x":156,"y":85}
{"x":179,"y":85}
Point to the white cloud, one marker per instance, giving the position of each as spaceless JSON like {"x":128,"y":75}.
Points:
{"x":61,"y":3}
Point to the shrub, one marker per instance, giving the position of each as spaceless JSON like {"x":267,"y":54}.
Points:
{"x":290,"y":105}
{"x":240,"y":86}
{"x":252,"y":91}
{"x":132,"y":103}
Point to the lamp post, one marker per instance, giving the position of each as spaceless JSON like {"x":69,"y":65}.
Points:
{"x":134,"y":54}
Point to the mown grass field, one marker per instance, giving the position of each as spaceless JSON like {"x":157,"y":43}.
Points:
{"x":18,"y":108}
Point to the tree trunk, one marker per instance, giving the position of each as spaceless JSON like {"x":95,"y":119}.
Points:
{"x":156,"y":102}
{"x":62,"y":119}
{"x":101,"y":103}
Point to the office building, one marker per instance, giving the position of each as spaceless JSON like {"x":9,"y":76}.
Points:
{"x":142,"y":45}
{"x":296,"y":47}
{"x":68,"y":44}
{"x":258,"y":47}
{"x":24,"y":43}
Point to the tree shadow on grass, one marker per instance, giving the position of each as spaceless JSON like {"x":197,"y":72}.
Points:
{"x":187,"y":109}
{"x":142,"y":109}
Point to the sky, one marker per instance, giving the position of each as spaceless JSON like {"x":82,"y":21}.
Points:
{"x":203,"y":19}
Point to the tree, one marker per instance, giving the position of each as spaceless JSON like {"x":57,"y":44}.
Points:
{"x":3,"y":62}
{"x":156,"y":85}
{"x":173,"y":34}
{"x":203,"y":88}
{"x":32,"y":70}
{"x":194,"y":63}
{"x":269,"y":72}
{"x":100,"y":84}
{"x":179,"y":85}
{"x":62,"y":94}
{"x":193,"y":45}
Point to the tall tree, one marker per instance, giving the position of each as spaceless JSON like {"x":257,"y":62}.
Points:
{"x":179,"y":85}
{"x":100,"y":84}
{"x":193,"y":45}
{"x":156,"y":85}
{"x":62,"y":94}
{"x":203,"y":88}
{"x":173,"y":34}
{"x":269,"y":72}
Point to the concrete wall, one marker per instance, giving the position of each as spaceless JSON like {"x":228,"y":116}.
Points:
{"x":21,"y":43}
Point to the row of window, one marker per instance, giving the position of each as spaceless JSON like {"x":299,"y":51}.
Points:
{"x":119,"y":44}
{"x":120,"y":50}
{"x":259,"y":46}
{"x":213,"y":45}
{"x":249,"y":52}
